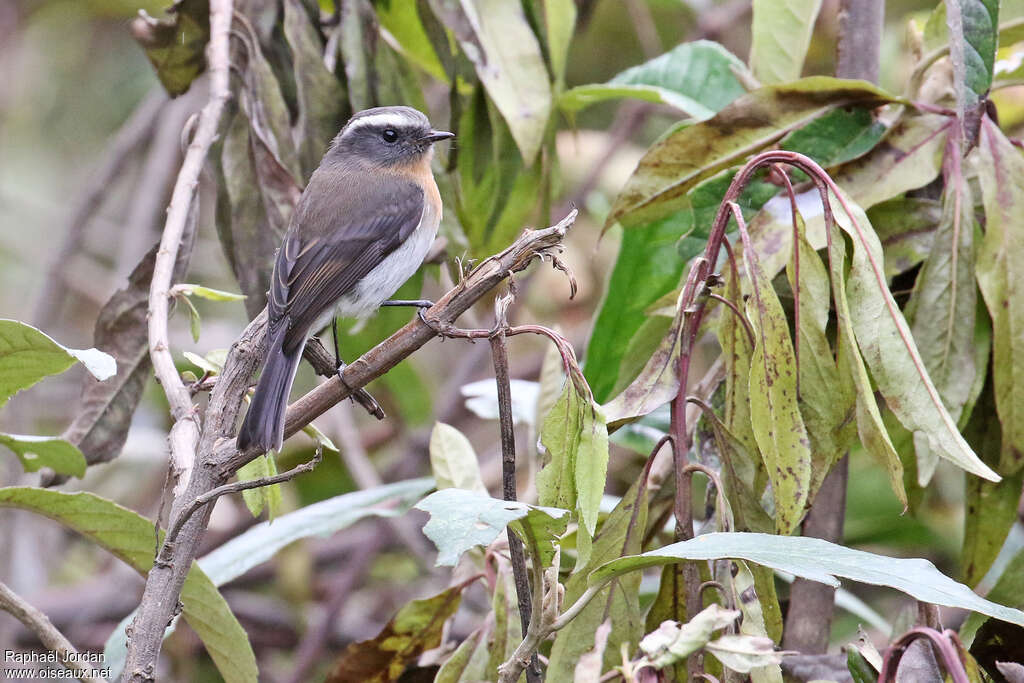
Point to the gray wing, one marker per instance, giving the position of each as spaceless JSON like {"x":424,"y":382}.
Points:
{"x":333,"y":244}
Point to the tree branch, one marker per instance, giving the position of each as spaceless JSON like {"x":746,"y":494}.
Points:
{"x":218,"y":458}
{"x":48,"y":635}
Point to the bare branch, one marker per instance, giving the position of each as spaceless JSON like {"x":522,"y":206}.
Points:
{"x":48,"y":635}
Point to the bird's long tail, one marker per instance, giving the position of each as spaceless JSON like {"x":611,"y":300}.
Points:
{"x":264,"y":423}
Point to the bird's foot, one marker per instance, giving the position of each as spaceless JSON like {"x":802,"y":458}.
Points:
{"x":360,"y":396}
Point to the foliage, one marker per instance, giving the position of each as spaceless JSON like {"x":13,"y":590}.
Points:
{"x":807,"y":267}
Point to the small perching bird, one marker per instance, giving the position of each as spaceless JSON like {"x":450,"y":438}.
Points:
{"x":362,"y":227}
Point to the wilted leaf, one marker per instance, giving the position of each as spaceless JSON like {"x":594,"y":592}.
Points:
{"x":575,"y":436}
{"x":743,"y":653}
{"x":825,"y":404}
{"x":1000,"y":271}
{"x":673,"y":642}
{"x":781,"y":35}
{"x":321,"y":97}
{"x":244,"y":230}
{"x":45,"y":451}
{"x":28,"y":355}
{"x":453,"y":460}
{"x":698,"y":78}
{"x":105,"y":415}
{"x":589,"y":665}
{"x":129,"y":536}
{"x":688,"y":155}
{"x":1009,"y":589}
{"x":176,"y":45}
{"x":774,"y":412}
{"x":508,"y":630}
{"x":461,"y":520}
{"x":905,"y":227}
{"x":943,"y":305}
{"x":417,"y":627}
{"x":496,"y":37}
{"x":889,"y":350}
{"x":357,"y":46}
{"x":818,"y":560}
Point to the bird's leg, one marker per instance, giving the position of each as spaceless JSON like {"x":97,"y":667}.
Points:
{"x":360,"y":396}
{"x":418,"y":303}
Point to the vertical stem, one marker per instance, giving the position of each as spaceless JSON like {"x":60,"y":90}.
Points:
{"x":812,"y":604}
{"x":499,"y":351}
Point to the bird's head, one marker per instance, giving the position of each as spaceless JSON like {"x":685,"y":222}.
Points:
{"x":387,"y":137}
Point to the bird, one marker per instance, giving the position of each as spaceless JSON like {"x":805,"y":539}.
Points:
{"x":361,"y":228}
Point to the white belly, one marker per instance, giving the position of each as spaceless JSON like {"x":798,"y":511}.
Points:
{"x":383,"y":281}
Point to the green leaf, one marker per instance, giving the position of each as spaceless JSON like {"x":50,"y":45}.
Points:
{"x":905,"y":227}
{"x":1009,"y":589}
{"x":45,"y":451}
{"x":890,"y":351}
{"x":774,"y":411}
{"x":973,"y":27}
{"x":417,"y":627}
{"x":129,"y":537}
{"x":194,"y":321}
{"x":469,"y":661}
{"x":268,"y":497}
{"x":461,"y":520}
{"x":672,"y":166}
{"x":837,"y":137}
{"x":697,"y":78}
{"x":781,"y":34}
{"x":575,"y":436}
{"x":621,"y":533}
{"x":208,"y":293}
{"x":175,"y":46}
{"x":27,"y":355}
{"x":821,"y":561}
{"x":402,"y":21}
{"x":453,"y":461}
{"x":1000,"y":270}
{"x":560,"y":24}
{"x":860,"y":670}
{"x":496,"y":37}
{"x":990,"y":509}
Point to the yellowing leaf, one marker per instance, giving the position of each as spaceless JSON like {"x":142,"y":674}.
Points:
{"x":774,"y":413}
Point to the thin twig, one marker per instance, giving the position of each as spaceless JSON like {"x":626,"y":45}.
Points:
{"x":239,"y":486}
{"x":499,"y":353}
{"x":48,"y":635}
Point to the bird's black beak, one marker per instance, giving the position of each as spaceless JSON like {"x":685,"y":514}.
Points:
{"x":437,"y":136}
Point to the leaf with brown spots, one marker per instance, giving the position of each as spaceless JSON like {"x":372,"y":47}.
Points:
{"x":675,"y":164}
{"x":774,"y":412}
{"x":416,"y":628}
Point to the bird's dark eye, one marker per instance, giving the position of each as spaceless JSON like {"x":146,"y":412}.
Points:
{"x":389,"y":135}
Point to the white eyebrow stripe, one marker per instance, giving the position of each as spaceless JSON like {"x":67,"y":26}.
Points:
{"x":395,"y":119}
